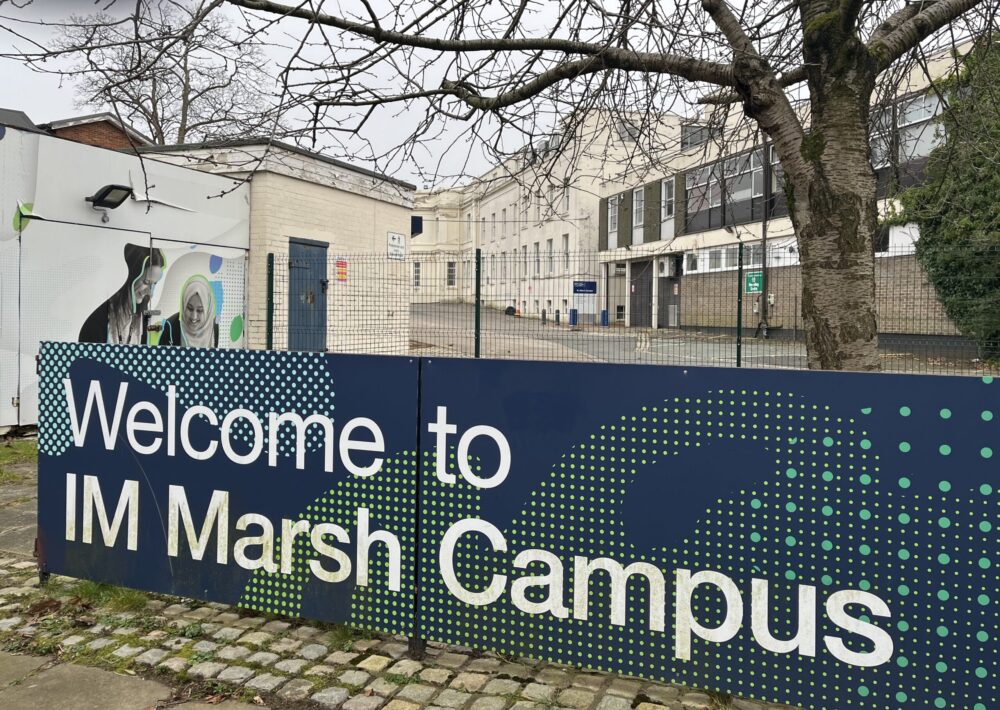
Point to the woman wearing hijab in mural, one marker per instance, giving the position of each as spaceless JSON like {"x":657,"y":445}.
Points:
{"x":120,"y":318}
{"x":194,"y":326}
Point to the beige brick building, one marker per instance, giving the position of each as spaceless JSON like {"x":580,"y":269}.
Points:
{"x":323,"y":210}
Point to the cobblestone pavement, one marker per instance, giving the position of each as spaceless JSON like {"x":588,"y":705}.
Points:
{"x":222,"y":652}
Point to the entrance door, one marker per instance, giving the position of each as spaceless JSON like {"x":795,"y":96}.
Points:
{"x":307,"y":285}
{"x":641,"y":295}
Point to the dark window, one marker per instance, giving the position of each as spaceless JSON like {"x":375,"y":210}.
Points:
{"x":693,"y":134}
{"x":881,"y":238}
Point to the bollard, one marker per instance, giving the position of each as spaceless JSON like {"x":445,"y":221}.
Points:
{"x":543,"y":316}
{"x":573,"y":314}
{"x":557,"y":316}
{"x":604,"y":318}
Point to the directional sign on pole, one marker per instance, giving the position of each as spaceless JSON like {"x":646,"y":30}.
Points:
{"x":753,"y":282}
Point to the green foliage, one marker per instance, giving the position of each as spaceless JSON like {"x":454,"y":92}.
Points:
{"x":957,"y":207}
{"x":14,"y":453}
{"x":111,"y":597}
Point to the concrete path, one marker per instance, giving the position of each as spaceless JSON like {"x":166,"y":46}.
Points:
{"x":41,"y":682}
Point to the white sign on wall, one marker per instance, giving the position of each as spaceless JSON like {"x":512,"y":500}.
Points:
{"x":397,"y":246}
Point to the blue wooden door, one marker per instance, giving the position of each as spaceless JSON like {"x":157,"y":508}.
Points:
{"x":307,"y":286}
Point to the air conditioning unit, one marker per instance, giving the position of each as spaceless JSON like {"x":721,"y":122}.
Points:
{"x":667,"y":266}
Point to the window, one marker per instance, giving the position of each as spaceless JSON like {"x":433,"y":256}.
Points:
{"x":525,"y":206}
{"x":416,"y":274}
{"x":565,"y":245}
{"x":565,"y":197}
{"x":493,"y":226}
{"x":482,"y":229}
{"x":621,"y":269}
{"x":613,"y":222}
{"x":468,"y":227}
{"x":538,"y":261}
{"x":503,"y":267}
{"x":524,"y":261}
{"x":691,"y":262}
{"x":548,"y":254}
{"x":628,"y":132}
{"x":620,"y":312}
{"x":538,"y":206}
{"x":638,"y":197}
{"x":693,"y":134}
{"x":666,"y":199}
{"x":451,"y":274}
{"x":732,"y":256}
{"x":715,"y":259}
{"x":697,"y":183}
{"x":503,"y":222}
{"x":918,"y":133}
{"x":756,"y":252}
{"x":881,"y":239}
{"x":493,"y":268}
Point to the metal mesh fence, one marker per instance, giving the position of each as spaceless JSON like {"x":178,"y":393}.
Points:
{"x":693,"y":309}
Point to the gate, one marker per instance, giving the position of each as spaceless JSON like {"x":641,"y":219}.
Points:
{"x":307,"y":286}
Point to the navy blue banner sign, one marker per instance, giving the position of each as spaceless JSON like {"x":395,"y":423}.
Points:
{"x":825,"y":540}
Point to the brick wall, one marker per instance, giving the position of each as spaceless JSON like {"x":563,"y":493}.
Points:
{"x":370,"y":301}
{"x":906,"y":301}
{"x":101,"y":134}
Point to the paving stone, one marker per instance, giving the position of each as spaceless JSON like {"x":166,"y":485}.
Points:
{"x":364,"y":702}
{"x":624,"y":688}
{"x":366,"y":644}
{"x":174,"y":664}
{"x":576,"y":698}
{"x":614,"y":702}
{"x":10,"y":623}
{"x":354,"y":677}
{"x":236,"y":675}
{"x":275,"y":627}
{"x":526,"y":705}
{"x":291,"y":665}
{"x":402,"y":705}
{"x":265,"y":681}
{"x":554,"y":676}
{"x":483,"y":665}
{"x":516,"y":671}
{"x":417,"y":693}
{"x":206,"y":669}
{"x":662,"y":694}
{"x":538,"y":691}
{"x":591,"y":681}
{"x":470,"y":682}
{"x":209,"y":629}
{"x":489,"y":703}
{"x":234,"y":653}
{"x":741,"y":704}
{"x":395,"y":650}
{"x":200,"y":613}
{"x":95,"y":629}
{"x":249,"y":622}
{"x":175,"y":610}
{"x":695,"y":701}
{"x":228,"y":633}
{"x":125,"y":631}
{"x":263,"y":658}
{"x":296,"y":689}
{"x":451,"y":660}
{"x":670,"y":705}
{"x":152,"y":656}
{"x":98,"y":644}
{"x":24,"y":565}
{"x":285,"y":645}
{"x":331,"y":697}
{"x":157,"y":635}
{"x":322,"y":670}
{"x":450,"y":698}
{"x":500,"y":686}
{"x":406,"y":667}
{"x":340,"y":658}
{"x":176,"y":643}
{"x":381,"y":686}
{"x":226,"y":617}
{"x":438,"y":676}
{"x":257,"y":638}
{"x":375,"y":664}
{"x":204,"y":647}
{"x":74,"y":640}
{"x":305,"y":632}
{"x":312,"y":651}
{"x":126,"y":651}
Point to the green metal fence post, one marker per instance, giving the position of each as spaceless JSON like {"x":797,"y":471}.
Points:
{"x":739,"y":306}
{"x":479,"y":287}
{"x":270,"y":301}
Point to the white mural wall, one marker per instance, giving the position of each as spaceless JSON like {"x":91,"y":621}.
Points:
{"x":167,"y":267}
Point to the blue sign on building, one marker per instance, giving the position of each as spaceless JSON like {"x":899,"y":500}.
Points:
{"x":585,"y":287}
{"x":825,"y":540}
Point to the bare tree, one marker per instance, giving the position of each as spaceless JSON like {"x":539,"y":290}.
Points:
{"x":804,"y":73}
{"x":175,"y":75}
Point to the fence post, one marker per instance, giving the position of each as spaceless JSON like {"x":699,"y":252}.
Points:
{"x":479,"y":293}
{"x":270,"y":301}
{"x":739,"y":306}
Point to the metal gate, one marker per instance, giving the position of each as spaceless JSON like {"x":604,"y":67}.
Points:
{"x":307,"y":287}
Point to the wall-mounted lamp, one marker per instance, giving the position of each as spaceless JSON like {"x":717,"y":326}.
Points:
{"x":109,"y":197}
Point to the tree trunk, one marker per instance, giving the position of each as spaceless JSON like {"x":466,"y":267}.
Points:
{"x":831,"y":190}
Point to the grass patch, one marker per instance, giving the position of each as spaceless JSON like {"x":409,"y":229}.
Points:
{"x":14,"y":453}
{"x":110,"y":596}
{"x":401,"y":679}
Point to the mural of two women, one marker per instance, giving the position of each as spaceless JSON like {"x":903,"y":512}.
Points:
{"x":120,"y":319}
